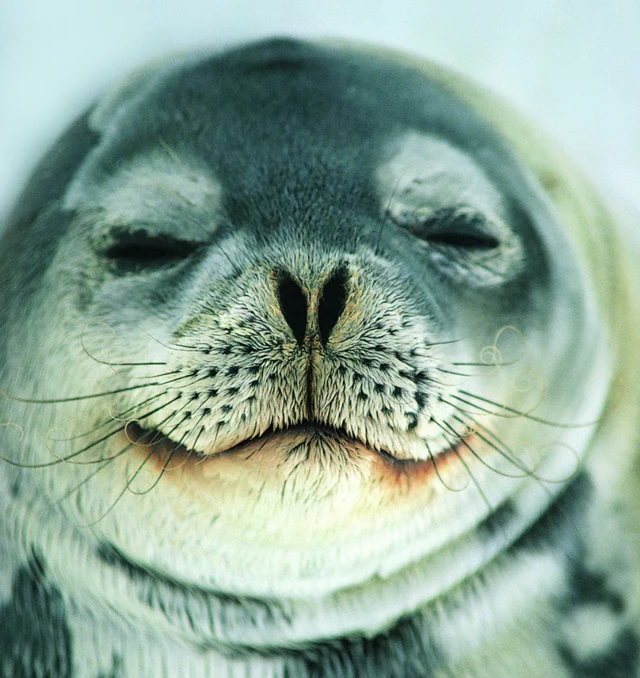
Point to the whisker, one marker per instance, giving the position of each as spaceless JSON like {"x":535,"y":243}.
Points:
{"x":481,"y":364}
{"x":483,"y":461}
{"x":158,"y":435}
{"x":119,"y":416}
{"x":384,"y":221}
{"x":121,"y":493}
{"x":52,"y":401}
{"x":96,"y":442}
{"x":527,"y":415}
{"x":195,"y":445}
{"x":168,"y":461}
{"x":146,"y":415}
{"x":433,"y":457}
{"x":442,"y":343}
{"x":457,"y":374}
{"x":162,"y":471}
{"x":154,"y":376}
{"x":91,"y":475}
{"x":60,"y":460}
{"x":190,"y":452}
{"x":126,"y":415}
{"x":509,"y":455}
{"x":140,"y":441}
{"x":480,"y":408}
{"x":171,"y":347}
{"x":506,"y":454}
{"x":109,"y":362}
{"x":454,"y":447}
{"x":71,"y":457}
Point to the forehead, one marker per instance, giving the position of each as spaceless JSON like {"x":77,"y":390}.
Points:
{"x":291,"y":108}
{"x":283,"y":124}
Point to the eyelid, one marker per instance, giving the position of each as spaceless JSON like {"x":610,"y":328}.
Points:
{"x":105,"y":233}
{"x":446,"y":225}
{"x":461,"y":216}
{"x":172,"y":247}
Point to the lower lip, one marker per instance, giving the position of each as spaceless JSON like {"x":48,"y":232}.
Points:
{"x":271,"y":450}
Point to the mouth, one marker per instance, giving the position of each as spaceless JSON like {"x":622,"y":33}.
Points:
{"x":295,"y":510}
{"x":301,"y":444}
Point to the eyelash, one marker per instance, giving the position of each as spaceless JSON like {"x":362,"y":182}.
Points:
{"x":456,"y":228}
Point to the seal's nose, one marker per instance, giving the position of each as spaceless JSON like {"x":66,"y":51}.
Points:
{"x":332,"y":302}
{"x":294,"y":304}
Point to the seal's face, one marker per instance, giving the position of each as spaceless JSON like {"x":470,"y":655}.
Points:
{"x":308,"y":325}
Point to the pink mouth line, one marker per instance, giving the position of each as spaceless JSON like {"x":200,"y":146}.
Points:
{"x":167,"y":455}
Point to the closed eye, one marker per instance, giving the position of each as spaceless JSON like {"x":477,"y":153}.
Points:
{"x":137,"y":251}
{"x":464,"y":240}
{"x":458,"y":228}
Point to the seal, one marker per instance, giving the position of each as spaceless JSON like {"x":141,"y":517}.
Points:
{"x":317,"y":360}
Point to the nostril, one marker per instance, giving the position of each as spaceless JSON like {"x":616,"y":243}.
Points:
{"x":332,"y":303}
{"x":293,"y":304}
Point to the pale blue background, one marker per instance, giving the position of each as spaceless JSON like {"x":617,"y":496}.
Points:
{"x":572,"y":65}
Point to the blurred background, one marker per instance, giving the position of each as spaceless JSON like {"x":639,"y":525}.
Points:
{"x":571,"y":65}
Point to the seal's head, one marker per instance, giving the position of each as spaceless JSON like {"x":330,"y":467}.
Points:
{"x":311,"y":347}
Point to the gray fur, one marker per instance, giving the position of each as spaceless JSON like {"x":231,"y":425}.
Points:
{"x":34,"y":638}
